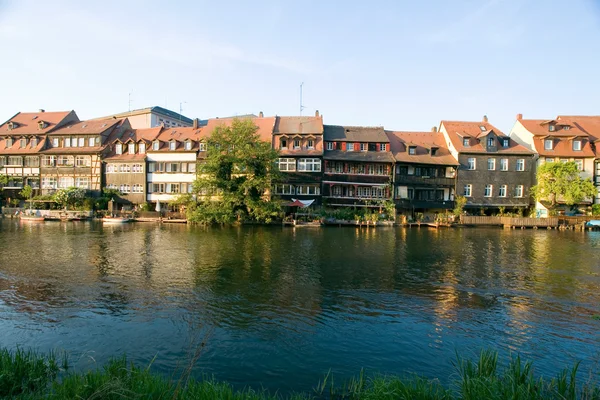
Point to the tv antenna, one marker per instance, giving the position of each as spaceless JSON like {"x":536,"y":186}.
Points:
{"x":130,"y":100}
{"x":181,"y":109}
{"x":301,"y":106}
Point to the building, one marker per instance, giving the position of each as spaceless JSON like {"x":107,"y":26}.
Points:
{"x":125,"y":163}
{"x":358,"y":166}
{"x":299,"y":141}
{"x":494,"y":170}
{"x":152,"y":117}
{"x":566,"y":138}
{"x":22,"y":138}
{"x":424,"y":173}
{"x":73,"y":155}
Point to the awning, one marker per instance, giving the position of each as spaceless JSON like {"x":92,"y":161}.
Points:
{"x":299,"y":203}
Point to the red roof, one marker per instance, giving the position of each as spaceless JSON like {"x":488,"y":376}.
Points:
{"x":565,"y":132}
{"x":476,"y":133}
{"x":423,"y":142}
{"x":29,"y":123}
{"x":86,"y":127}
{"x":16,"y":147}
{"x":298,"y":125}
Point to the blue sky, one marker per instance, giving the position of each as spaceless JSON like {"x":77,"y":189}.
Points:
{"x":404,"y":65}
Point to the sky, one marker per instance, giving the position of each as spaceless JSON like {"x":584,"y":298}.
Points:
{"x":404,"y":65}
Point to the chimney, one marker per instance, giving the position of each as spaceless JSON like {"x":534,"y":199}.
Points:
{"x":485,"y":118}
{"x":434,"y":129}
{"x":195,"y":123}
{"x":42,"y":110}
{"x":261,"y":115}
{"x":519,"y":117}
{"x":316,"y":113}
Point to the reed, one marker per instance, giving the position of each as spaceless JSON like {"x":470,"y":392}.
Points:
{"x":30,"y":375}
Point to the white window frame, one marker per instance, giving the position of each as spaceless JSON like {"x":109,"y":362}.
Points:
{"x":468,"y":190}
{"x":364,"y":147}
{"x":504,"y":164}
{"x":349,"y":146}
{"x":141,"y":147}
{"x":309,"y":164}
{"x":502,"y":191}
{"x":311,"y":144}
{"x":491,"y":164}
{"x":548,"y":144}
{"x":188,"y":145}
{"x":471,"y":162}
{"x":131,"y":148}
{"x":297,"y":144}
{"x":466,"y":142}
{"x":287,"y":164}
{"x":579,"y":163}
{"x":81,"y":142}
{"x":91,"y":142}
{"x":67,"y":142}
{"x":329,"y":145}
{"x":156,"y":145}
{"x":519,"y":191}
{"x":202,"y":146}
{"x":118,"y":148}
{"x":55,"y":142}
{"x":520,"y":166}
{"x":488,"y":190}
{"x":577,"y":145}
{"x":172,"y":145}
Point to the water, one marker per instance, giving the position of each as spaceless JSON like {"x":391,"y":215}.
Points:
{"x":279,"y":307}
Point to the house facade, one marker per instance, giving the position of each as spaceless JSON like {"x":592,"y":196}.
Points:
{"x":73,"y":155}
{"x":299,"y":141}
{"x":424,"y":172}
{"x":152,"y":117}
{"x":358,"y":166}
{"x":493,"y":170}
{"x":561,"y":140}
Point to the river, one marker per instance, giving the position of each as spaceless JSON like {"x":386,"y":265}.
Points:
{"x":279,"y":307}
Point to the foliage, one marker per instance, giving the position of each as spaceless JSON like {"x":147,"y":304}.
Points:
{"x":596,"y":209}
{"x":144,"y":207}
{"x":459,"y":205}
{"x":26,"y":192}
{"x":239,"y":170}
{"x":561,"y":181}
{"x":69,"y":197}
{"x":3,"y":179}
{"x":101,"y":203}
{"x":15,"y":202}
{"x":28,"y":375}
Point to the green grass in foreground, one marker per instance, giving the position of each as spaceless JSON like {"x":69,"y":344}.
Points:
{"x":29,"y":375}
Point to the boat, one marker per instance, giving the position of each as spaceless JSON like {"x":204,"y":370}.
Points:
{"x":115,"y":220}
{"x":314,"y":224}
{"x":594,"y":223}
{"x":32,"y":218}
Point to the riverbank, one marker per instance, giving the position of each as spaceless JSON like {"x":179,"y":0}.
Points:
{"x":25,"y":374}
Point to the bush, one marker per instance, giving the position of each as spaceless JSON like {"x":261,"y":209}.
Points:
{"x":596,"y":209}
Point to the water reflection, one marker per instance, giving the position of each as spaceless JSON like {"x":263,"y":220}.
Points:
{"x":284,"y":306}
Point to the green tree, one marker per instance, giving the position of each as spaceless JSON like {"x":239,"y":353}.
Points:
{"x":3,"y":179}
{"x":69,"y":197}
{"x":239,"y":170}
{"x":27,"y":192}
{"x":459,"y":205}
{"x":561,"y":182}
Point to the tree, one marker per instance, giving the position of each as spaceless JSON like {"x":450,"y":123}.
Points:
{"x":27,"y":192}
{"x":459,"y":205}
{"x":69,"y":197}
{"x":561,"y":182}
{"x":238,"y":172}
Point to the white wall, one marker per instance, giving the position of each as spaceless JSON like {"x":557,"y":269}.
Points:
{"x":158,"y":177}
{"x":522,"y":136}
{"x":174,"y":157}
{"x":452,"y":149}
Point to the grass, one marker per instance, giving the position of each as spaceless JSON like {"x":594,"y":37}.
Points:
{"x":30,"y":375}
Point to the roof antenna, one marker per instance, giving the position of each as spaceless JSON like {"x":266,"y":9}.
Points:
{"x":130,"y":100}
{"x":301,"y":106}
{"x":181,"y":110}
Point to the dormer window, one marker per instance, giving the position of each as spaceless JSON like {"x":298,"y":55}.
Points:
{"x":483,"y":129}
{"x":490,"y":142}
{"x":67,"y":142}
{"x":296,"y":143}
{"x":551,"y":128}
{"x":434,"y":151}
{"x":567,"y":127}
{"x":172,"y":145}
{"x":131,"y":148}
{"x":9,"y":142}
{"x":12,"y":125}
{"x":364,"y":147}
{"x":202,"y":146}
{"x":155,"y":145}
{"x":42,"y":124}
{"x":577,"y":145}
{"x":382,"y":146}
{"x":505,"y":142}
{"x":188,"y":145}
{"x":34,"y":142}
{"x":23,"y":143}
{"x":141,"y":147}
{"x":412,"y":150}
{"x":119,"y":148}
{"x":311,"y":143}
{"x":548,"y":143}
{"x":283,"y":143}
{"x":466,"y":142}
{"x":55,"y":142}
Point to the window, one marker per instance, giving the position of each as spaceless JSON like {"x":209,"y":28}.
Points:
{"x":173,"y":188}
{"x":131,"y":148}
{"x":173,"y":167}
{"x":548,"y":144}
{"x":9,"y":142}
{"x":55,"y":142}
{"x":566,"y":127}
{"x":491,"y":164}
{"x":119,"y":148}
{"x":521,"y":164}
{"x":502,"y":192}
{"x":488,"y":191}
{"x":48,"y":161}
{"x":155,"y":145}
{"x":505,"y":142}
{"x":579,"y":164}
{"x":49,"y":183}
{"x":329,"y":145}
{"x":284,"y":189}
{"x":158,"y":188}
{"x":81,"y":142}
{"x":504,"y":164}
{"x":283,"y":143}
{"x":74,"y":142}
{"x":23,"y":143}
{"x":192,"y":167}
{"x":564,"y":160}
{"x":141,"y":147}
{"x":468,"y":190}
{"x":32,"y":161}
{"x":83,"y":161}
{"x":296,"y":143}
{"x":311,"y":144}
{"x":34,"y":142}
{"x":137,"y":188}
{"x":65,"y":182}
{"x":551,"y":128}
{"x":412,"y":150}
{"x":519,"y":191}
{"x":202,"y":146}
{"x":67,"y":142}
{"x":383,"y":147}
{"x":577,"y":145}
{"x":471,"y":163}
{"x":549,"y":159}
{"x":309,"y":164}
{"x":124,"y":188}
{"x":363,"y":147}
{"x":15,"y":161}
{"x":172,"y":145}
{"x":308,"y":190}
{"x":287,"y":164}
{"x":65,"y":161}
{"x":380,"y":169}
{"x":349,"y":146}
{"x":2,"y":161}
{"x":482,"y":128}
{"x":82,"y":182}
{"x":110,"y":168}
{"x":491,"y":142}
{"x":466,"y":142}
{"x":188,"y":145}
{"x":91,"y":142}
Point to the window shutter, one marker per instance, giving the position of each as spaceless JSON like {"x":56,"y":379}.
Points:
{"x":356,"y":146}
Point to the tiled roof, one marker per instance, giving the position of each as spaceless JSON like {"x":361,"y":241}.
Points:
{"x":354,"y":134}
{"x":477,"y":133}
{"x":86,"y":127}
{"x":364,"y":156}
{"x":587,"y":123}
{"x":136,"y":135}
{"x":562,"y":138}
{"x":298,"y":125}
{"x":28,"y":123}
{"x":423,"y":142}
{"x":16,"y":147}
{"x":181,"y":135}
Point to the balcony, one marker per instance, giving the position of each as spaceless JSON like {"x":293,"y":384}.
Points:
{"x":427,"y":204}
{"x":425,"y":180}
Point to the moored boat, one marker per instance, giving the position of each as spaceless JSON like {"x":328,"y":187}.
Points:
{"x":115,"y":220}
{"x":32,"y":218}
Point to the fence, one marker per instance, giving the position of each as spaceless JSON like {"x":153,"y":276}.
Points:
{"x":509,"y":221}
